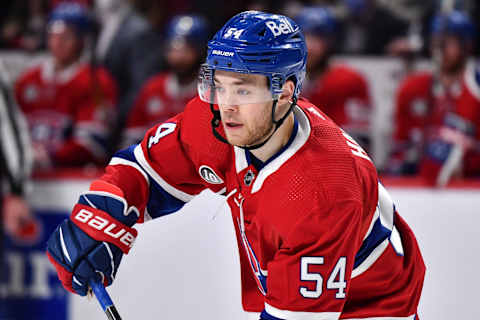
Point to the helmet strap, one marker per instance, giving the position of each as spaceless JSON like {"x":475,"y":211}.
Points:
{"x":216,"y":123}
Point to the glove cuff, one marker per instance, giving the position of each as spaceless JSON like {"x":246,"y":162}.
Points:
{"x":102,"y":227}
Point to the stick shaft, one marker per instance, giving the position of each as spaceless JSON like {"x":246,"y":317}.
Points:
{"x":105,"y":301}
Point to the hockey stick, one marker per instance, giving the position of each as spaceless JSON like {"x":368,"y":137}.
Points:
{"x":105,"y":300}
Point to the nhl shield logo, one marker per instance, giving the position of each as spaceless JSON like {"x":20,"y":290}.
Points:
{"x":249,"y":176}
{"x":209,"y":175}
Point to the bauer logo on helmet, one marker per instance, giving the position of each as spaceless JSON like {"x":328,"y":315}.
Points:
{"x":223,"y":53}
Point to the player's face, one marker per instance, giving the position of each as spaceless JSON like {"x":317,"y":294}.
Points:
{"x":451,"y":52}
{"x":64,"y":44}
{"x":244,"y":124}
{"x":181,"y":57}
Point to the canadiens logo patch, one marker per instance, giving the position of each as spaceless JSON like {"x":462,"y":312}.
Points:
{"x":209,"y":175}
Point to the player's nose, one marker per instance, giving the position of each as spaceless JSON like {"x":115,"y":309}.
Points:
{"x":229,"y":107}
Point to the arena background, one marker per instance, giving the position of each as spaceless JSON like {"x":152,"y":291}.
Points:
{"x":185,"y":266}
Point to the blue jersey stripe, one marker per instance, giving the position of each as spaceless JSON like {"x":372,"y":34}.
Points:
{"x":127,"y":154}
{"x":378,"y":234}
{"x":266,"y":316}
{"x":160,"y":202}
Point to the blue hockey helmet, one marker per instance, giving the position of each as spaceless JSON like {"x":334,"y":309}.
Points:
{"x":255,"y":42}
{"x":316,"y":20}
{"x":192,"y":29}
{"x":71,"y":14}
{"x":455,"y":23}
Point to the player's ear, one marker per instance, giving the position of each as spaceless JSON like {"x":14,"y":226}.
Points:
{"x":288,"y":90}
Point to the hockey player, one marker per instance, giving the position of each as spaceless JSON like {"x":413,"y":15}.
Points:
{"x":66,"y":101}
{"x":337,"y":89}
{"x":167,"y":93}
{"x":437,"y":113}
{"x":318,"y":235}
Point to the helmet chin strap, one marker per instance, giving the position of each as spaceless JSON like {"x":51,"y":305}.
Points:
{"x":216,"y":123}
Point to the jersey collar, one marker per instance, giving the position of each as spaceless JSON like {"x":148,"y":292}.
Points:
{"x":63,"y":76}
{"x":258,"y":164}
{"x":296,"y":141}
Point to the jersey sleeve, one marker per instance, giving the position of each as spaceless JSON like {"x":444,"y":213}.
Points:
{"x":157,"y":175}
{"x":309,"y":276}
{"x":161,"y":174}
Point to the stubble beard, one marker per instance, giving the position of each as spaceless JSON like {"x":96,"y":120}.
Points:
{"x":254,"y":133}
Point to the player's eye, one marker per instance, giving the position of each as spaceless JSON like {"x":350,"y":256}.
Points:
{"x":219,"y":89}
{"x":243,"y":92}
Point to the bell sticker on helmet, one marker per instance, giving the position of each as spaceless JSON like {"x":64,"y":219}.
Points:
{"x":284,"y":27}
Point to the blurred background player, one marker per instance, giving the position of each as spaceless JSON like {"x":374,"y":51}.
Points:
{"x":437,"y":113}
{"x":67,"y":101}
{"x":166,"y":94}
{"x":340,"y":91}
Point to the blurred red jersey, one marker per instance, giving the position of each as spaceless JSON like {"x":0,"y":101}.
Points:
{"x":319,"y":237}
{"x":431,"y":120}
{"x":343,"y":94}
{"x":67,"y":111}
{"x":161,"y":98}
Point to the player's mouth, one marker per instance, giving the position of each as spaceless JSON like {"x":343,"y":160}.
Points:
{"x":233,"y":125}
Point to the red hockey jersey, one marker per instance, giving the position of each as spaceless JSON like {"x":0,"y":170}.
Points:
{"x":67,"y":111}
{"x":343,"y":94}
{"x":161,"y":98}
{"x":318,"y":235}
{"x":431,"y":119}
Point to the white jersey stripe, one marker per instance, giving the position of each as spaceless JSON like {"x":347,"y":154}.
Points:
{"x":376,"y":253}
{"x":385,"y":211}
{"x":385,"y":204}
{"x":396,"y":241}
{"x":120,"y":161}
{"x":298,"y":315}
{"x":140,"y":157}
{"x":411,"y":317}
{"x":240,"y":159}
